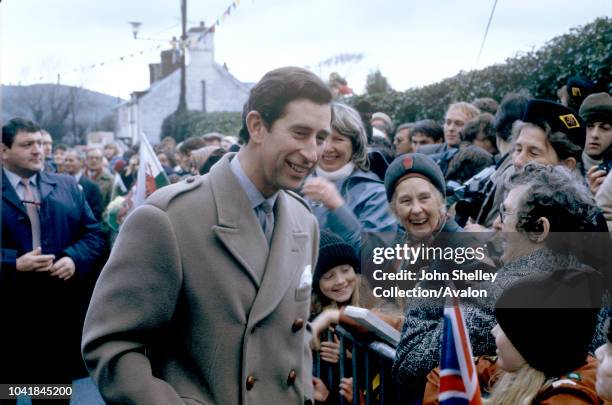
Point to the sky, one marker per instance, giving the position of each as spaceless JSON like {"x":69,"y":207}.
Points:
{"x":413,"y":43}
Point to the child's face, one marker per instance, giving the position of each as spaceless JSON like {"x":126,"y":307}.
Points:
{"x":338,"y":283}
{"x":508,"y":358}
{"x":604,"y":371}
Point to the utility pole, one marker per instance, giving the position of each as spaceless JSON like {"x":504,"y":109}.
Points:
{"x":182,"y":106}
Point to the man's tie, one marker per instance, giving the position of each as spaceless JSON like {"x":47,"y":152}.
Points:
{"x":265,"y":215}
{"x":32,"y":208}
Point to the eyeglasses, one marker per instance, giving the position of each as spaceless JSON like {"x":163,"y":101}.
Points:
{"x":503,"y":212}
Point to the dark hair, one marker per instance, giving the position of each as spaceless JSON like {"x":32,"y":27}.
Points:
{"x":61,"y":146}
{"x":486,"y":105}
{"x":169,"y":156}
{"x":562,"y":145}
{"x":429,"y":128}
{"x":365,"y":111}
{"x":279,"y":87}
{"x":481,"y":125}
{"x":468,"y":162}
{"x":383,"y":146}
{"x":16,"y":125}
{"x":406,"y":125}
{"x":213,"y":158}
{"x":127,"y":155}
{"x":401,"y":127}
{"x":190,"y":144}
{"x":512,"y":108}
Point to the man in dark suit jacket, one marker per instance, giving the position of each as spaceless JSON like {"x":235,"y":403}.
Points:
{"x":73,"y":165}
{"x":42,"y":266}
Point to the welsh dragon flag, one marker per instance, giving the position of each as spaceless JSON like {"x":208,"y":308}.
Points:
{"x":151,"y":175}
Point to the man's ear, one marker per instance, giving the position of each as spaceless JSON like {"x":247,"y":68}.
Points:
{"x":570,"y":163}
{"x":541,"y":232}
{"x":256,"y":126}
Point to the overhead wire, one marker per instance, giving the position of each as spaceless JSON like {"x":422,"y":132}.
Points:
{"x":484,"y":39}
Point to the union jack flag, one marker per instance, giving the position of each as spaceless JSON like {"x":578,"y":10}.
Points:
{"x":458,"y":377}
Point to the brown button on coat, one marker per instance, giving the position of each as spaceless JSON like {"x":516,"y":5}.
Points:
{"x":172,"y":318}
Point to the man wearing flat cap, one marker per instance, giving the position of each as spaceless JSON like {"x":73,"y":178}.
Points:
{"x":596,"y":111}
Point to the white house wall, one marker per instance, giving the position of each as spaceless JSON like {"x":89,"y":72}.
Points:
{"x":223,"y":93}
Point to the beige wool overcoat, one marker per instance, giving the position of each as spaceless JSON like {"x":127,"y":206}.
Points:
{"x":194,"y":307}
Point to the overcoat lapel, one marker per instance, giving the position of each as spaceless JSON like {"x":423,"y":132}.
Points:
{"x":10,"y":195}
{"x":238,"y":228}
{"x":46,"y":186}
{"x":283,"y":263}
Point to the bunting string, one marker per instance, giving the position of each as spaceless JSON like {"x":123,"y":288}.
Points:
{"x":220,"y":19}
{"x":174,"y":44}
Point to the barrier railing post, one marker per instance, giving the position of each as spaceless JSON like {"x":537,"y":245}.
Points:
{"x":355,"y":374}
{"x":341,"y":362}
{"x":368,"y":377}
{"x":375,"y":359}
{"x":330,"y":370}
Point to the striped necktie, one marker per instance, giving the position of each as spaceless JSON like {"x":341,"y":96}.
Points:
{"x":265,"y":214}
{"x":32,"y":208}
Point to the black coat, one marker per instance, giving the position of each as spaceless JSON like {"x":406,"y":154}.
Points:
{"x":41,"y":315}
{"x":93,"y":196}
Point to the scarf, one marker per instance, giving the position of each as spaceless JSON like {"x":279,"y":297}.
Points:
{"x":589,"y":162}
{"x":337,"y":175}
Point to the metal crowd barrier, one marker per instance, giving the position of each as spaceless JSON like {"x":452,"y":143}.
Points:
{"x":370,"y":367}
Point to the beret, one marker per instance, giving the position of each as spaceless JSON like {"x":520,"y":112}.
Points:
{"x":414,"y":163}
{"x":559,"y":117}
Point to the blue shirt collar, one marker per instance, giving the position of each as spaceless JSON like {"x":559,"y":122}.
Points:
{"x":15,"y":179}
{"x":253,"y":194}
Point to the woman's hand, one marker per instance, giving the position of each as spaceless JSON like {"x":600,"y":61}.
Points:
{"x":321,"y":323}
{"x":321,"y":190}
{"x":330,"y":351}
{"x":596,"y":177}
{"x":320,"y":390}
{"x":346,"y":389}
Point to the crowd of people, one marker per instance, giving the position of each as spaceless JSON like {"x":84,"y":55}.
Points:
{"x":221,"y":286}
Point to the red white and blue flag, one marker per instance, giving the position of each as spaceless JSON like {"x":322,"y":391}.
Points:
{"x":458,"y":377}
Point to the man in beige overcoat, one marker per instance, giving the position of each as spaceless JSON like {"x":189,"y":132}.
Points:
{"x":205,"y":297}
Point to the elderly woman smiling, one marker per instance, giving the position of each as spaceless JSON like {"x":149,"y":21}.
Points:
{"x":415,"y":190}
{"x":346,"y":197}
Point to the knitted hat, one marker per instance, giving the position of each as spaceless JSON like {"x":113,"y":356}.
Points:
{"x":559,"y":117}
{"x":333,"y":251}
{"x":417,"y":165}
{"x":550,"y":318}
{"x":597,"y":108}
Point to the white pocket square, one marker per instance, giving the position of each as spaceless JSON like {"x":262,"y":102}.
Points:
{"x":306,"y":279}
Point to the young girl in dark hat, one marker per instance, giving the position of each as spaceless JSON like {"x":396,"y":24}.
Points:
{"x":545,"y":325}
{"x":336,"y":284}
